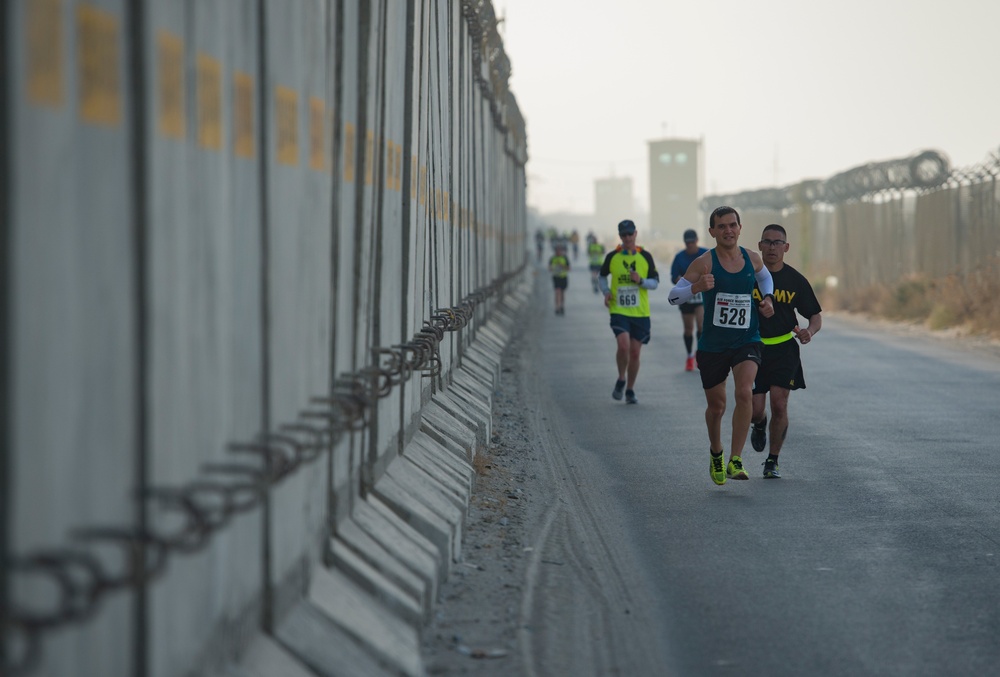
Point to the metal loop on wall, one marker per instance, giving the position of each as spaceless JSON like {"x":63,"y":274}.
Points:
{"x":78,"y":596}
{"x":193,"y":536}
{"x":144,"y":555}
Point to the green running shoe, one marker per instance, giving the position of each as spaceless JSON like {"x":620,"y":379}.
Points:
{"x":771,"y":469}
{"x":717,"y":468}
{"x":735,"y":469}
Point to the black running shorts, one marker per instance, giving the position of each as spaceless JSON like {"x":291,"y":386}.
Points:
{"x":715,"y":367}
{"x":780,"y":366}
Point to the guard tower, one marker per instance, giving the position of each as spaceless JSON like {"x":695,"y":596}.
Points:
{"x":676,"y":185}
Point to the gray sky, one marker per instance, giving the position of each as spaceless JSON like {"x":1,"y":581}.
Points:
{"x":779,"y":90}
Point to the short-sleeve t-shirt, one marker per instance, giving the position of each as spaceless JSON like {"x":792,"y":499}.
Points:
{"x":792,"y":292}
{"x":627,"y":297}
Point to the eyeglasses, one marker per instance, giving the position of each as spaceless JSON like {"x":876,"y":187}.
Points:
{"x":773,"y":243}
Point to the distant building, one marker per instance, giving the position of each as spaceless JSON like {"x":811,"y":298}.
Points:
{"x":613,"y":202}
{"x":676,"y":185}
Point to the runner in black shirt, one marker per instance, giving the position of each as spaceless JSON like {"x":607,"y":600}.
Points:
{"x":780,"y":370}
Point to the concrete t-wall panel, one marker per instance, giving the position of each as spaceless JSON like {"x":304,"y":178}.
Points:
{"x":73,"y":435}
{"x":387,"y":262}
{"x":402,"y":574}
{"x":72,"y":310}
{"x":433,"y":236}
{"x":370,"y":165}
{"x":317,"y":641}
{"x":345,"y":462}
{"x":298,"y":257}
{"x":204,"y":260}
{"x":299,"y":239}
{"x":412,"y":279}
{"x":401,"y":600}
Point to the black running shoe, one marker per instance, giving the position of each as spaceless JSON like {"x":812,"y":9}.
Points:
{"x":758,"y":435}
{"x":771,"y":469}
{"x":630,"y":397}
{"x":619,"y":391}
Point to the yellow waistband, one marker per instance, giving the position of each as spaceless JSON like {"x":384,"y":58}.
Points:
{"x":777,"y":339}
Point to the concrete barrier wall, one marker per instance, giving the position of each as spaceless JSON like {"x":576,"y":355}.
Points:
{"x":260,"y":259}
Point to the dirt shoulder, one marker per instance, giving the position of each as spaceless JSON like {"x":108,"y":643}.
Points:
{"x":547,"y":583}
{"x":477,"y":618}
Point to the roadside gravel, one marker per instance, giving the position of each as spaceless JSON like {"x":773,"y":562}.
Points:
{"x":477,"y":618}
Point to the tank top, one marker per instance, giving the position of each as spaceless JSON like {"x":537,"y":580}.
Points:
{"x":730,"y":310}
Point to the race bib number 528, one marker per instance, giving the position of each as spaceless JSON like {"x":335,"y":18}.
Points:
{"x":732,"y":310}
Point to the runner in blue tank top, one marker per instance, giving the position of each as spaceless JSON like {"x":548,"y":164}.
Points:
{"x":733,"y":324}
{"x":725,"y":277}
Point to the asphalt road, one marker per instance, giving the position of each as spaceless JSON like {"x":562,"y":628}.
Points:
{"x":874,"y":554}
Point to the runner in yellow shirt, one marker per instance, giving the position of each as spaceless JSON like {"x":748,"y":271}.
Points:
{"x":632,"y":274}
{"x":559,"y":267}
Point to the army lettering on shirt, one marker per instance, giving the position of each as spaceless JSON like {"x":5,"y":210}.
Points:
{"x":792,"y":293}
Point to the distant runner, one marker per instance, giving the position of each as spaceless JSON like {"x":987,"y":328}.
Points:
{"x":595,"y":252}
{"x":559,"y":267}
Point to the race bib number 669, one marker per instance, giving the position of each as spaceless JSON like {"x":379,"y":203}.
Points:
{"x":627,"y":297}
{"x":732,"y":310}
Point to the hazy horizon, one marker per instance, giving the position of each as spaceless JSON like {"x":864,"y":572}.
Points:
{"x":779,"y":91}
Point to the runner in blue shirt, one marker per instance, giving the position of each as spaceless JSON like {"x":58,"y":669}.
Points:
{"x":692,"y":312}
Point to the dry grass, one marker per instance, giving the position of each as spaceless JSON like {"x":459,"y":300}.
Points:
{"x":482,"y":463}
{"x":967,"y":302}
{"x":492,"y":480}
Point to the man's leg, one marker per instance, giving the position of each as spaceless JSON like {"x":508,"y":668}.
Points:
{"x":715,"y":398}
{"x":758,"y":422}
{"x":779,"y":418}
{"x":759,"y":406}
{"x":622,"y":356}
{"x":688,"y":319}
{"x":743,"y":375}
{"x":635,"y":347}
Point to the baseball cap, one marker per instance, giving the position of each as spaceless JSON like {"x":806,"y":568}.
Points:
{"x":626,"y":227}
{"x":690,"y":236}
